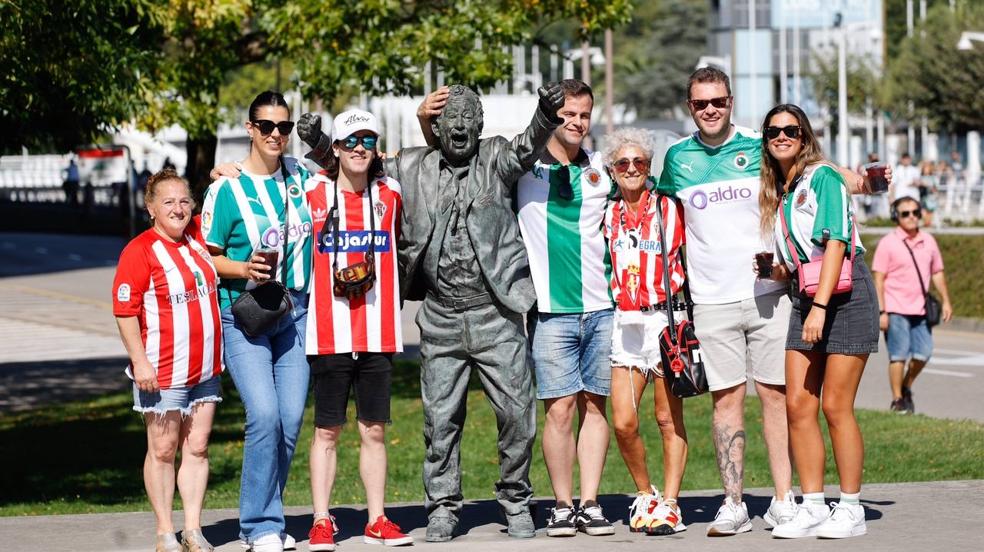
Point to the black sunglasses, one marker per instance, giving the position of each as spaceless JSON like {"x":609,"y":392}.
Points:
{"x":917,"y":212}
{"x":266,"y":126}
{"x":720,"y":103}
{"x":792,"y":132}
{"x":564,"y":189}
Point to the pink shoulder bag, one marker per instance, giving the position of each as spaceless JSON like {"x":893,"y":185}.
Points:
{"x":809,"y":273}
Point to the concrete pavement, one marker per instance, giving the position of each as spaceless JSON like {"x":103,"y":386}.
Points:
{"x":900,"y":517}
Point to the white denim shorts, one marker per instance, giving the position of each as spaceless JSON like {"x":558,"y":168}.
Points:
{"x":635,"y":340}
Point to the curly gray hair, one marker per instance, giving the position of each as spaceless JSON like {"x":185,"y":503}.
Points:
{"x":622,"y":137}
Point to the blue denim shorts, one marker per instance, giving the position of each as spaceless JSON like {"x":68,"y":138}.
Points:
{"x":571,"y":353}
{"x":182,"y":399}
{"x":908,"y":337}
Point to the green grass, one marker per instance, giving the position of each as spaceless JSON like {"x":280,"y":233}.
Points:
{"x":963,"y":258}
{"x":87,"y":456}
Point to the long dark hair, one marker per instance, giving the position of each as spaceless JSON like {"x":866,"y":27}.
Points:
{"x":773,"y":183}
{"x":268,"y":98}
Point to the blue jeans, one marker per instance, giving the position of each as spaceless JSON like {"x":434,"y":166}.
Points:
{"x":271,"y":373}
{"x":572,"y":353}
{"x":908,"y":337}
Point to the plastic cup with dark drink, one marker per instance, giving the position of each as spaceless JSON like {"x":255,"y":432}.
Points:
{"x":763,"y":262}
{"x":877,"y":182}
{"x":269,"y":256}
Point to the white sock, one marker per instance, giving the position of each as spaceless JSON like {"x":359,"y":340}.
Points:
{"x":813,"y":498}
{"x":851,"y":498}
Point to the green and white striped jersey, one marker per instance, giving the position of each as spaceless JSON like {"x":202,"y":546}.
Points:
{"x":564,"y":238}
{"x":239,"y":215}
{"x":719,"y":188}
{"x":817,"y":209}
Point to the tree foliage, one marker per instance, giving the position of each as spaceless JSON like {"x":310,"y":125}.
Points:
{"x":942,"y":82}
{"x":382,"y":46}
{"x":71,"y":70}
{"x":863,"y":83}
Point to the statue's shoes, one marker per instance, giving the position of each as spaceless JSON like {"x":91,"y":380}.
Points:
{"x":521,"y":525}
{"x":440,"y":528}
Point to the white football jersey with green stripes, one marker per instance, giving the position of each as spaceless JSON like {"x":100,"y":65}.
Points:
{"x":817,"y":210}
{"x":719,"y":188}
{"x":564,"y":238}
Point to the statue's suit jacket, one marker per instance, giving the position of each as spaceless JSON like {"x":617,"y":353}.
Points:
{"x":492,"y":225}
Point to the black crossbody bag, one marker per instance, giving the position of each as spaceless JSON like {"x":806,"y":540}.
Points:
{"x":679,"y":347}
{"x":934,"y":309}
{"x":259,"y":309}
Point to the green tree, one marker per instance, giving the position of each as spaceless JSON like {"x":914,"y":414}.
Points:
{"x":863,"y":83}
{"x":942,"y":82}
{"x":656,"y":53}
{"x":71,"y":70}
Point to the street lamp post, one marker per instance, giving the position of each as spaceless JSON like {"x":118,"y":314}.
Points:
{"x":843,"y":132}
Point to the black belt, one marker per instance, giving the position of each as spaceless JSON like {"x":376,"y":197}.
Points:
{"x":654,"y":307}
{"x":461,"y":303}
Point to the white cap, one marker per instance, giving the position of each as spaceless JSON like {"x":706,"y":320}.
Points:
{"x":349,"y":122}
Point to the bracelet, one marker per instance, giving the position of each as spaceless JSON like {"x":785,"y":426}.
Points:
{"x":820,"y":306}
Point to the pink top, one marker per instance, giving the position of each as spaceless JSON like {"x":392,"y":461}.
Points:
{"x":902,"y":293}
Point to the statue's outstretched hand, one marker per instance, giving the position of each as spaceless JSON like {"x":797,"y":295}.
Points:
{"x":309,"y":130}
{"x":551,"y":100}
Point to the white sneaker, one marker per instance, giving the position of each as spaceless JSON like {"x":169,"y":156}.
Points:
{"x":804,"y":524}
{"x":781,"y":511}
{"x":268,"y":543}
{"x":669,"y":519}
{"x":641,"y":511}
{"x":731,"y":519}
{"x":845,"y":520}
{"x":289,"y":542}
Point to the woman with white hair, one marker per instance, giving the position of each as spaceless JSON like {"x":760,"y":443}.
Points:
{"x":633,"y":225}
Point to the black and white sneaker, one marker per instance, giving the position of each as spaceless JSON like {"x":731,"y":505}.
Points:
{"x":592,"y":521}
{"x":561,"y":521}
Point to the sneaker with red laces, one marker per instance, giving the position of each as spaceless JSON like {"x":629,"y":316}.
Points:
{"x":322,"y":535}
{"x":383,"y":531}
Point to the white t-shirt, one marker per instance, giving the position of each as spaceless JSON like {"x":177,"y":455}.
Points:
{"x":906,"y":180}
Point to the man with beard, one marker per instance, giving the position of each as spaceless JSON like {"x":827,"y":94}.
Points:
{"x":460,"y":252}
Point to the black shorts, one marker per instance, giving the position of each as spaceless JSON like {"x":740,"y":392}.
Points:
{"x":334,"y":375}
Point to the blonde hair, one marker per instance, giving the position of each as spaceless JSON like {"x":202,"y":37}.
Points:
{"x":770,"y":172}
{"x":159,"y":177}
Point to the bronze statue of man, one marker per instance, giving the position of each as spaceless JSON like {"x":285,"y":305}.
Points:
{"x":460,"y":252}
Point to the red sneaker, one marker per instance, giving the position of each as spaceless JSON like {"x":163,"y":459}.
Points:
{"x":384,"y":531}
{"x":322,"y":535}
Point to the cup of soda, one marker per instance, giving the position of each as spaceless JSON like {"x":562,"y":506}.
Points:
{"x":763,"y":263}
{"x":269,"y":256}
{"x":877,"y":182}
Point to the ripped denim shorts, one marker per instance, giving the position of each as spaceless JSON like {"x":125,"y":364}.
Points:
{"x":182,"y":399}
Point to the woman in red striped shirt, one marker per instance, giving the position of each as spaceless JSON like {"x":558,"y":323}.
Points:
{"x":167,"y":311}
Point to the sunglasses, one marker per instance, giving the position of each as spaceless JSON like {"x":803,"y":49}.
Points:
{"x":915,"y":212}
{"x":368,"y":142}
{"x":622,"y":165}
{"x":266,"y":126}
{"x":701,"y":105}
{"x":792,"y":132}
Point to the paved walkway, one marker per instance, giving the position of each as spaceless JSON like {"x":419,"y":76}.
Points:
{"x":898,"y":516}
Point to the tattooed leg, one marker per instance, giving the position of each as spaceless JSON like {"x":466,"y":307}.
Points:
{"x":729,"y":438}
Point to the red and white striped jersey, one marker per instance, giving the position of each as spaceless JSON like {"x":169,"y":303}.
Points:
{"x":633,"y":242}
{"x":370,"y":323}
{"x":171,"y":289}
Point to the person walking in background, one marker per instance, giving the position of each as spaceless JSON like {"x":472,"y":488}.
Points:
{"x":261,"y":208}
{"x":632,"y":227}
{"x":353,"y":326}
{"x":907,"y":179}
{"x":929,"y":182}
{"x":71,"y":182}
{"x":906,"y":260}
{"x":830,"y":333}
{"x":167,"y":310}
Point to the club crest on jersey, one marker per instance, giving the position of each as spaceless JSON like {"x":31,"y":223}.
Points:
{"x":632,"y":281}
{"x":592,"y":176}
{"x":380,"y":208}
{"x":294,"y":190}
{"x":741,"y":160}
{"x":123,"y":293}
{"x":801,"y":198}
